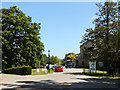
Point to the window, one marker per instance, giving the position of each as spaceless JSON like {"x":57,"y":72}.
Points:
{"x":82,"y":62}
{"x":59,"y":67}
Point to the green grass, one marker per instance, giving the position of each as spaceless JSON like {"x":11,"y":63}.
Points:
{"x":98,"y":73}
{"x":34,"y":72}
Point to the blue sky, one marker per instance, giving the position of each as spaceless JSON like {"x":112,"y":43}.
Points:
{"x":62,"y":23}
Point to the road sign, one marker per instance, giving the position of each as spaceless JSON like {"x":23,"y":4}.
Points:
{"x":92,"y":66}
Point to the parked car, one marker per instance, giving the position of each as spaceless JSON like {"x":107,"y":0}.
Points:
{"x":59,"y":69}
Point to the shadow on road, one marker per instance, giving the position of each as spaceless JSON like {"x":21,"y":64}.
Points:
{"x":97,"y":80}
{"x":74,"y":73}
{"x":90,"y":84}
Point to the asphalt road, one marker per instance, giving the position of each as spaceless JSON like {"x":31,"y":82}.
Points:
{"x":69,"y":78}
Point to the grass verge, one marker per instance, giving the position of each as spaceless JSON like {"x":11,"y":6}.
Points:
{"x":100,"y":74}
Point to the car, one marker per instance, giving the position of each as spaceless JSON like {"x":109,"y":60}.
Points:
{"x":59,"y":69}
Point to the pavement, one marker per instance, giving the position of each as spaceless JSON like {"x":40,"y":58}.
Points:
{"x":69,"y":78}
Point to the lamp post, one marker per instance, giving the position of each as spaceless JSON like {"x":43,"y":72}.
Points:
{"x":49,"y":60}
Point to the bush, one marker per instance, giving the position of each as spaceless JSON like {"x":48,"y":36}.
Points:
{"x":23,"y":70}
{"x":34,"y":67}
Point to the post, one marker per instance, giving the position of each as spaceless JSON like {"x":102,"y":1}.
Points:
{"x":49,"y":60}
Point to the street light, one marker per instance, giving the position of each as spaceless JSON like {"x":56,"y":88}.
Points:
{"x":49,"y":60}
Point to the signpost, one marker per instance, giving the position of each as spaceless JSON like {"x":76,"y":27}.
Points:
{"x":92,"y":66}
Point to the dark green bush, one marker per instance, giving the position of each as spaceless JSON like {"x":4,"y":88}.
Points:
{"x":23,"y":70}
{"x":34,"y":67}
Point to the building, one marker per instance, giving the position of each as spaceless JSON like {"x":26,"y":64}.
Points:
{"x":83,"y":59}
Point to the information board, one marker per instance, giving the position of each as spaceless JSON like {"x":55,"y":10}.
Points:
{"x":92,"y":66}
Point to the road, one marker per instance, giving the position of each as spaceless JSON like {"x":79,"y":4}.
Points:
{"x":69,"y":78}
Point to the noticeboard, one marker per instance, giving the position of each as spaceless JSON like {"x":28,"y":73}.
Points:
{"x":92,"y":66}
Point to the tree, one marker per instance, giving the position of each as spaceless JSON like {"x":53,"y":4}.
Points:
{"x":63,"y":62}
{"x":45,"y":59}
{"x":70,"y":56}
{"x":106,"y":28}
{"x":21,"y":43}
{"x":105,"y":36}
{"x":55,"y":60}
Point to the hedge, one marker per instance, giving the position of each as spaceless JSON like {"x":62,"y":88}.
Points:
{"x":34,"y":67}
{"x":23,"y":70}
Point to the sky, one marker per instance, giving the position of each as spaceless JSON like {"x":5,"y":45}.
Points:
{"x":62,"y":23}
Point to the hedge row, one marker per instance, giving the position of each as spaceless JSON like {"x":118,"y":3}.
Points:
{"x":23,"y":70}
{"x":34,"y":67}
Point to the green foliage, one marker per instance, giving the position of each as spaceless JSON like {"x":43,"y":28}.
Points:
{"x":100,"y":74}
{"x":37,"y":66}
{"x":24,"y":70}
{"x":55,"y":60}
{"x":21,"y":43}
{"x":45,"y":59}
{"x":70,"y":56}
{"x":105,"y":37}
{"x":63,"y":62}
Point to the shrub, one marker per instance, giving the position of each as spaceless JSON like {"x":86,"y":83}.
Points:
{"x":34,"y":67}
{"x":41,"y":66}
{"x":23,"y":70}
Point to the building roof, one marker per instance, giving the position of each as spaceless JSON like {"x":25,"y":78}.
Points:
{"x":85,"y":43}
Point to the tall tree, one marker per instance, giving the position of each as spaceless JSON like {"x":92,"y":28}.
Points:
{"x":55,"y":60}
{"x":21,"y":43}
{"x":70,"y":56}
{"x":105,"y":35}
{"x":106,"y":27}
